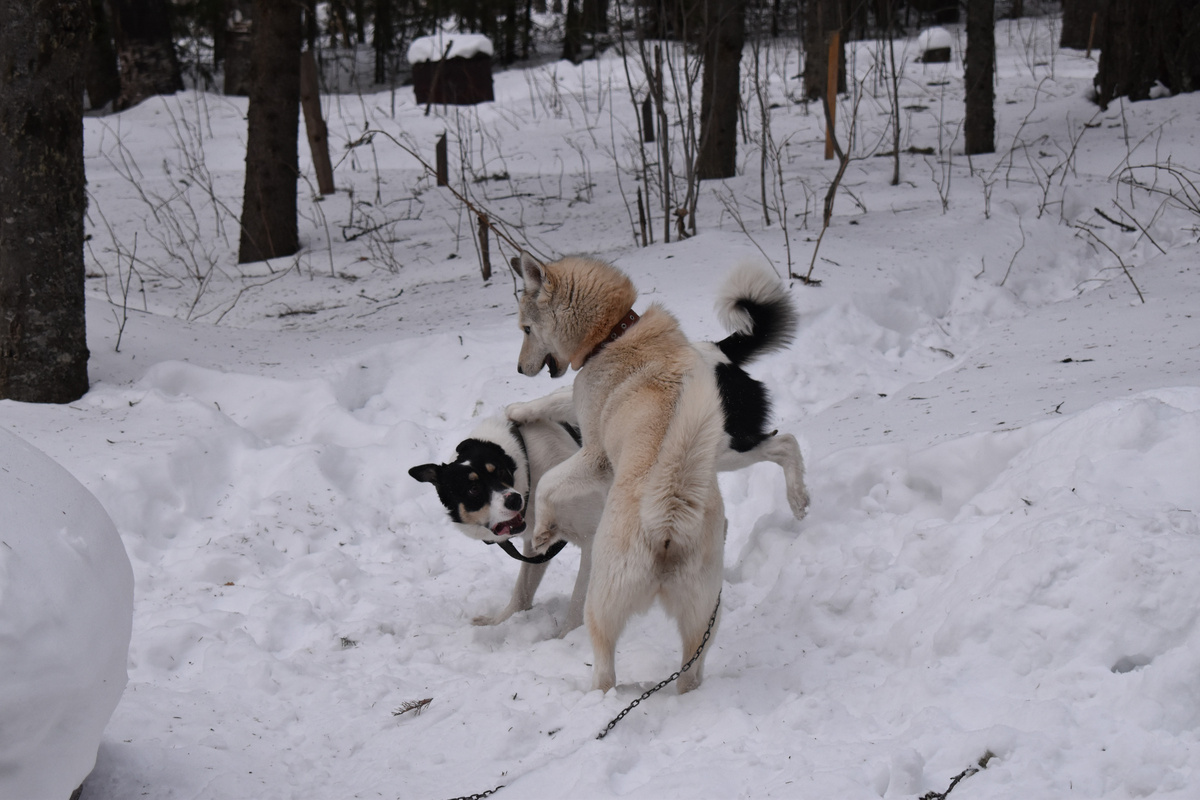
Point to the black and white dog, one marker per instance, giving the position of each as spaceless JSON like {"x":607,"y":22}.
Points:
{"x":488,"y":489}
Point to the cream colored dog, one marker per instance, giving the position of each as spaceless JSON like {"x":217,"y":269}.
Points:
{"x":651,"y":420}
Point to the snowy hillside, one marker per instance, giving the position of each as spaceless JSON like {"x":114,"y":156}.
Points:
{"x":1002,"y":441}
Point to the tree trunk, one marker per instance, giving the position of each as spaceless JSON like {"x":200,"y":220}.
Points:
{"x":145,"y":50}
{"x":573,"y":33}
{"x":821,"y":17}
{"x":382,"y":42}
{"x":43,"y":342}
{"x":239,"y":47}
{"x":101,"y":76}
{"x":723,"y":35}
{"x":1077,"y":16}
{"x":595,"y":16}
{"x":1148,"y":43}
{"x":979,"y":128}
{"x":272,"y":165}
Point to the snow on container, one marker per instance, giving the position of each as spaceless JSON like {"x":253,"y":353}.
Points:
{"x":934,"y":46}
{"x":66,"y":613}
{"x":452,"y":68}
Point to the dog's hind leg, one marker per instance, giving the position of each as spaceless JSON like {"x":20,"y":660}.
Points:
{"x":691,"y":596}
{"x":783,"y":450}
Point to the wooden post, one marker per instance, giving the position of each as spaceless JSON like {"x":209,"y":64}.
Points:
{"x":647,"y":120}
{"x":1092,"y":33}
{"x":443,"y":167}
{"x":314,"y":124}
{"x":831,"y":84}
{"x":485,"y":260}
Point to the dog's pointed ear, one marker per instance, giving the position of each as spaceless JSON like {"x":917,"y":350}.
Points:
{"x":530,"y":269}
{"x":425,"y":473}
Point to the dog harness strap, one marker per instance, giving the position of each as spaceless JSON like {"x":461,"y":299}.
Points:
{"x":555,"y":549}
{"x":617,"y":332}
{"x":515,"y":430}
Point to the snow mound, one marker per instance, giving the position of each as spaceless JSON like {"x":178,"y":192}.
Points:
{"x":462,"y":45}
{"x":66,"y":614}
{"x":934,"y":39}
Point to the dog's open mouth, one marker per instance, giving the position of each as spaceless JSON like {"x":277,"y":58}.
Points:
{"x":510,"y":527}
{"x":551,"y":364}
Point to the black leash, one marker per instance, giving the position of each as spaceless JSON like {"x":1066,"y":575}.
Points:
{"x":555,"y":549}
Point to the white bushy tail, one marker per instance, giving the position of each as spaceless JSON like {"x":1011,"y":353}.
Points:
{"x":755,"y":306}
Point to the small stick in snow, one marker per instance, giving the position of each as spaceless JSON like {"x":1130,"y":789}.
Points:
{"x":415,"y":706}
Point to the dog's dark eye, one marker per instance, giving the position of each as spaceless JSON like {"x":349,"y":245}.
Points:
{"x":526,"y":329}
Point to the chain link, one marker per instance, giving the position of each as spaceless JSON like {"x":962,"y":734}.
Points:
{"x":674,"y":676}
{"x":480,"y":795}
{"x":712,"y":621}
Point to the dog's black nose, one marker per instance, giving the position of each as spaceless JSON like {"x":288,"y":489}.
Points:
{"x":513,"y":502}
{"x":519,"y":370}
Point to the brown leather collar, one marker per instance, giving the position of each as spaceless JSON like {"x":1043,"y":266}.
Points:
{"x":617,"y":331}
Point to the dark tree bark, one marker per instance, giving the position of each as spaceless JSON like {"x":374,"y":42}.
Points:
{"x":145,"y":50}
{"x":43,"y":343}
{"x":595,"y":16}
{"x":239,"y":47}
{"x":383,"y":38}
{"x":979,"y":127}
{"x":101,"y":76}
{"x":1077,"y":16}
{"x":1145,"y":43}
{"x":573,"y":33}
{"x":272,"y":165}
{"x":723,"y":36}
{"x":821,"y":18}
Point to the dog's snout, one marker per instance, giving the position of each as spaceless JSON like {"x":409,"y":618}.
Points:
{"x":513,"y":502}
{"x":520,"y":371}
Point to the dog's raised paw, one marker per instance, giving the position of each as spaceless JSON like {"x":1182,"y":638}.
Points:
{"x":799,"y":502}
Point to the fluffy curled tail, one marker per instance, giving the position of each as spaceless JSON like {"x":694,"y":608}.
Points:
{"x":678,"y":487}
{"x":755,"y":305}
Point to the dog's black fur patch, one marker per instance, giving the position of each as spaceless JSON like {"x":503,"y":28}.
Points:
{"x":482,"y":468}
{"x":747,"y":407}
{"x":745,"y":401}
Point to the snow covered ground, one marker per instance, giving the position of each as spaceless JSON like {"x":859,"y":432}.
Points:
{"x":1002,"y":439}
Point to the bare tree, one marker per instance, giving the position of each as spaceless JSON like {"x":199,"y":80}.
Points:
{"x":822,"y":17}
{"x":101,"y":76}
{"x":1081,"y":23}
{"x":272,"y":159}
{"x":43,"y":343}
{"x":1148,"y":43}
{"x":979,"y":126}
{"x":724,"y":35}
{"x":145,"y":50}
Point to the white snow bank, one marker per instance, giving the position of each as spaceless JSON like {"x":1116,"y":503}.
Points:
{"x":66,"y":613}
{"x":462,"y":45}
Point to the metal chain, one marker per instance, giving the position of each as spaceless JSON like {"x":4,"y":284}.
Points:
{"x":674,"y":676}
{"x":480,"y":795}
{"x":712,"y":621}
